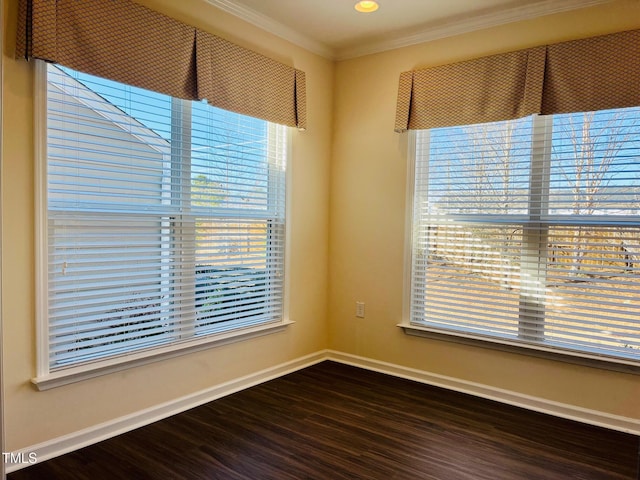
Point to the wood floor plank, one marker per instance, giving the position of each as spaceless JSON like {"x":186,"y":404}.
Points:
{"x":333,"y":421}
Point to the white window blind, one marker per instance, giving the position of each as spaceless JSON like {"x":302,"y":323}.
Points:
{"x":165,"y":220}
{"x":528,"y":231}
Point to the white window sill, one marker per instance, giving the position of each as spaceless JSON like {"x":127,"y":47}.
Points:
{"x":549,"y":353}
{"x":91,"y":370}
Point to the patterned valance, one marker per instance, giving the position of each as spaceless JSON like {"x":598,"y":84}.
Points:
{"x":583,"y":75}
{"x":129,"y":43}
{"x":237,"y":79}
{"x":595,"y":73}
{"x":488,"y":89}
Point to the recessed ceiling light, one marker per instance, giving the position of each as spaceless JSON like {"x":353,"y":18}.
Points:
{"x":366,"y":6}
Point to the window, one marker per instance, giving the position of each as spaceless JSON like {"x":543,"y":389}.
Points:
{"x":527,"y":233}
{"x":163,"y":222}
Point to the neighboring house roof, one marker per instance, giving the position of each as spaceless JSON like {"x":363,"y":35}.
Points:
{"x":101,"y":106}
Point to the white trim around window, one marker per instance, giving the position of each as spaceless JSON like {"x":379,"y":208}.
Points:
{"x":524,"y":236}
{"x":160,"y":227}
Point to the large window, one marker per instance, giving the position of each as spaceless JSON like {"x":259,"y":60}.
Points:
{"x":527,"y":232}
{"x":162,"y":222}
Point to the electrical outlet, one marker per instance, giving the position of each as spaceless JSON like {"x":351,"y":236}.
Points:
{"x":360,"y":309}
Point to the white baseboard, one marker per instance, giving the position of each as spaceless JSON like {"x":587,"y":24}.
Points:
{"x":74,"y":441}
{"x":88,"y":436}
{"x":571,"y":412}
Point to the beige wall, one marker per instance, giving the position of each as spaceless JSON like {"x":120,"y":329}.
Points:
{"x":367,"y":229}
{"x":347,"y":225}
{"x":32,"y":416}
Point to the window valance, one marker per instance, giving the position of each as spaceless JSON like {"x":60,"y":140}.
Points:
{"x":127,"y":42}
{"x":595,"y":73}
{"x":483,"y":90}
{"x":237,"y":79}
{"x":583,"y":75}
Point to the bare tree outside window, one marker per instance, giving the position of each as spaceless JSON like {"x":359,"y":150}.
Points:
{"x":532,"y":229}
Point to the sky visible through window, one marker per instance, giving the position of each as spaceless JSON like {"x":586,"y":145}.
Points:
{"x":594,"y":159}
{"x":242,"y":135}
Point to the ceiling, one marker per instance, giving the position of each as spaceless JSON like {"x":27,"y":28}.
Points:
{"x":333,"y":29}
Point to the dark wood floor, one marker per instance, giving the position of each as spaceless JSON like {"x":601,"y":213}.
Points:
{"x":332,"y":421}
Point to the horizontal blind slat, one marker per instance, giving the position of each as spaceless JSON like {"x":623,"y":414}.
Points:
{"x":529,"y":230}
{"x":165,"y":219}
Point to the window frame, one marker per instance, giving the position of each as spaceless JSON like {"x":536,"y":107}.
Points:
{"x":45,"y":378}
{"x":541,"y":125}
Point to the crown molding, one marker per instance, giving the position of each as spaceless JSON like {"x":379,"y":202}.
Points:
{"x":460,"y":26}
{"x":428,"y":33}
{"x":272,"y":26}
